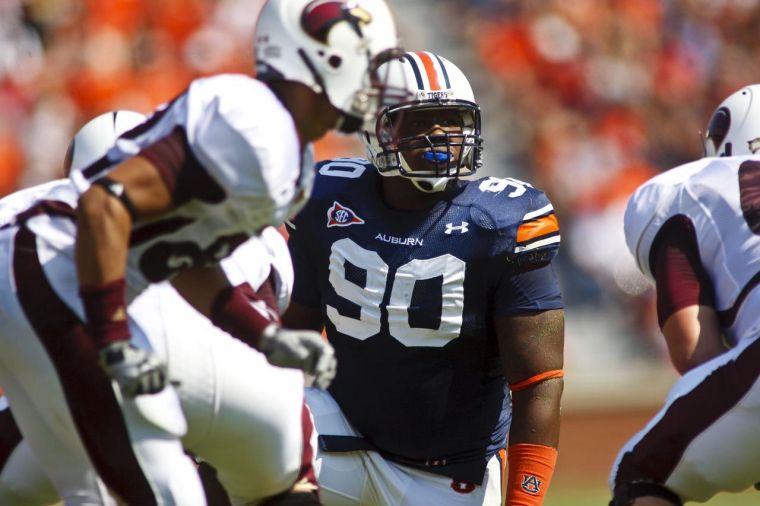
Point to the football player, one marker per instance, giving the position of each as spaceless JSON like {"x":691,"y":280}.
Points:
{"x":238,"y":407}
{"x":440,"y":299}
{"x":219,"y":163}
{"x":694,"y":231}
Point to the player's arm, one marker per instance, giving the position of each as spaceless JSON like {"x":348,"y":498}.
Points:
{"x":693,"y":337}
{"x":106,"y":212}
{"x":304,"y":310}
{"x":242,"y":313}
{"x":301,"y":316}
{"x":531,"y":351}
{"x":685,"y":298}
{"x":131,"y":191}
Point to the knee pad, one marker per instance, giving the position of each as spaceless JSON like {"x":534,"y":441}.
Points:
{"x":626,"y":493}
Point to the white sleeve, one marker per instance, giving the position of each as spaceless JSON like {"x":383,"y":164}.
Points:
{"x":246,"y":140}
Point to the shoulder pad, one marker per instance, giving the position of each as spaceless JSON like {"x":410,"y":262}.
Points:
{"x":332,"y":176}
{"x":522,"y":217}
{"x":651,"y":205}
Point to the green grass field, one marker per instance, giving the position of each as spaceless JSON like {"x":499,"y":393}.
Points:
{"x":588,"y":445}
{"x":569,"y":496}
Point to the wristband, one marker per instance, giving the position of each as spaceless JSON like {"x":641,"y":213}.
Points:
{"x":531,"y":467}
{"x":235,"y":310}
{"x":105,"y":309}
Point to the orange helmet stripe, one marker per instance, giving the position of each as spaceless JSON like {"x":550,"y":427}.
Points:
{"x":432,"y":75}
{"x":536,"y":228}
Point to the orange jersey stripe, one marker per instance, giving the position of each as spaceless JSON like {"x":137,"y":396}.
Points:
{"x":522,"y":385}
{"x":503,"y":455}
{"x":432,"y":75}
{"x":536,"y":228}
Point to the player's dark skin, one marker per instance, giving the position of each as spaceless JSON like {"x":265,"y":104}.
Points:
{"x":529,"y":344}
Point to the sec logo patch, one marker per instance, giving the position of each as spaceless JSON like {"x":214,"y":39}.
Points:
{"x":341,"y":216}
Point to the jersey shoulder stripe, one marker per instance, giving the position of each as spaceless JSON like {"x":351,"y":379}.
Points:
{"x":522,"y":217}
{"x":538,"y":229}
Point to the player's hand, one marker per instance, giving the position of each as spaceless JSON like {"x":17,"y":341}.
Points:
{"x":136,"y":371}
{"x":300,"y":349}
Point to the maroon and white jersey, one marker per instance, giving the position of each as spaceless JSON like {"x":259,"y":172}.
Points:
{"x":719,"y":199}
{"x":12,"y":204}
{"x":230,"y":155}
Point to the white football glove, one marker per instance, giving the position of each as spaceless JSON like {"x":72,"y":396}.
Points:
{"x":136,"y":371}
{"x":300,"y":349}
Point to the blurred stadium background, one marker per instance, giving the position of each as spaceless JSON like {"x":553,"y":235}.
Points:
{"x":583,"y":98}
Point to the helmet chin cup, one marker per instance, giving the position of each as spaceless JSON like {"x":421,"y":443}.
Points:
{"x":430,"y":185}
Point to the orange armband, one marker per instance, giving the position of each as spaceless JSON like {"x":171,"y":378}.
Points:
{"x":522,"y":385}
{"x":531,"y":468}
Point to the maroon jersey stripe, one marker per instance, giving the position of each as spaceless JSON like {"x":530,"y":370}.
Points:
{"x":11,"y":436}
{"x":681,"y":278}
{"x":307,"y":470}
{"x":657,"y":454}
{"x":183,"y":174}
{"x":150,"y":231}
{"x":97,"y":167}
{"x":88,"y":391}
{"x":47,"y":207}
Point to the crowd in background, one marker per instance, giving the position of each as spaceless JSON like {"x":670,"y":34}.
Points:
{"x":599,"y":95}
{"x":65,"y":61}
{"x":602,"y":95}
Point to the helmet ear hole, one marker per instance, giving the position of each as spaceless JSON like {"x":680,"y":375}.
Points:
{"x":335,"y":61}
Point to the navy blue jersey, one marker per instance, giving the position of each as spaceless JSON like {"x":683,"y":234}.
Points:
{"x":409,"y":298}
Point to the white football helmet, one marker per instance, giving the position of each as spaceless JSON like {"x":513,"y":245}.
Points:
{"x":734,"y":128}
{"x":332,"y":46}
{"x":433,"y":83}
{"x":97,"y":136}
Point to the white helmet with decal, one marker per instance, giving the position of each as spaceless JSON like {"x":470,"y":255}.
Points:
{"x":332,"y":46}
{"x":433,"y":83}
{"x":97,"y":136}
{"x":734,"y":128}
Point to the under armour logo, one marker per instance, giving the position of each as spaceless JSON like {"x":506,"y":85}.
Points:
{"x":450,"y":227}
{"x":531,"y":484}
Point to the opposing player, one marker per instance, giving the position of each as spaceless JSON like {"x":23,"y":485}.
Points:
{"x":694,"y":230}
{"x":217,"y":164}
{"x":439,"y":297}
{"x":238,"y":407}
